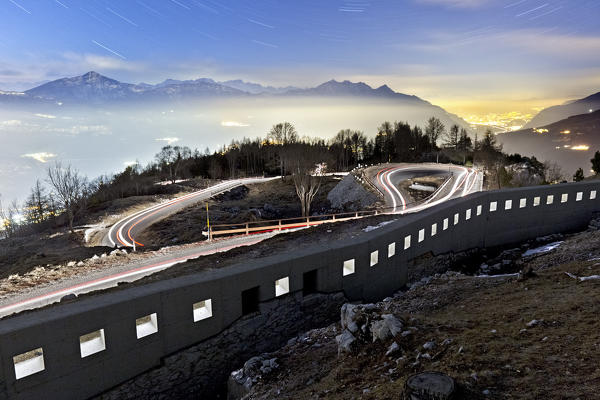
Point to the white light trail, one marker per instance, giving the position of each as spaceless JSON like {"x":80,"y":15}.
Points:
{"x":265,"y":44}
{"x":260,"y":23}
{"x":122,"y":17}
{"x":181,"y":4}
{"x":109,"y":50}
{"x":61,"y":4}
{"x":533,"y":10}
{"x":20,"y":6}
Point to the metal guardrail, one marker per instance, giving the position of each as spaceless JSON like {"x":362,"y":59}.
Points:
{"x":264,"y":226}
{"x":362,"y":178}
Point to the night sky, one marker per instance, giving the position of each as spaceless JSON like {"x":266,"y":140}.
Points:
{"x":465,"y":55}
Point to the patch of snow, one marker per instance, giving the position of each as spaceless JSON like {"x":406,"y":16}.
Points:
{"x":543,"y":249}
{"x":416,"y":186}
{"x":91,"y":229}
{"x":372,"y":228}
{"x":497,"y":276}
{"x":583,"y":278}
{"x":165,"y":183}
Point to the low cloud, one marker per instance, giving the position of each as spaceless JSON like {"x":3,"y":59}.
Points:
{"x":11,"y":122}
{"x":97,"y":62}
{"x":234,"y":124}
{"x":42,"y":157}
{"x":95,"y":130}
{"x":48,"y":116}
{"x":169,"y":140}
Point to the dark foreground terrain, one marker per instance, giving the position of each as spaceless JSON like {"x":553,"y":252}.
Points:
{"x":534,"y":335}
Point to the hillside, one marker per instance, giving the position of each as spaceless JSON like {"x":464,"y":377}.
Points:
{"x":557,"y":113}
{"x":526,"y":336}
{"x":571,"y":142}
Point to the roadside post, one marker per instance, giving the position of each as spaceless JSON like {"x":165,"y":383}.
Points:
{"x":208,"y":223}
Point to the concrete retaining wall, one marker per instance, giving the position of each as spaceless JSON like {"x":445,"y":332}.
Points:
{"x":57,"y":330}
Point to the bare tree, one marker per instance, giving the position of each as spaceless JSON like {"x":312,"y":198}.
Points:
{"x":232,"y":154}
{"x":171,"y":158}
{"x":37,"y":204}
{"x":308,"y":169}
{"x":8,"y":218}
{"x":451,"y":138}
{"x":282,"y":135}
{"x":553,"y":172}
{"x":69,"y":187}
{"x":434,"y":130}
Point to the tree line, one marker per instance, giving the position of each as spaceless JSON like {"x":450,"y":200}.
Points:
{"x":65,"y":195}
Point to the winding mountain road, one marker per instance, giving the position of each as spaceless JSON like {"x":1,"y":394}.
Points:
{"x":387,"y":178}
{"x":124,"y":232}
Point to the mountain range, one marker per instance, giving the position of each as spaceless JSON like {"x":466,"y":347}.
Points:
{"x":94,"y":89}
{"x":571,"y":142}
{"x":556,"y":113}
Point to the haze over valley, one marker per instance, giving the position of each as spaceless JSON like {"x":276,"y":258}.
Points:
{"x":101,"y":125}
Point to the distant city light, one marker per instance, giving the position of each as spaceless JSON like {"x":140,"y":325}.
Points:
{"x":566,"y":132}
{"x":510,"y":121}
{"x":541,"y":130}
{"x":581,"y":147}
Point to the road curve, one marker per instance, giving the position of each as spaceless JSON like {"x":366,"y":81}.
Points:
{"x":387,"y":179}
{"x":124,"y":232}
{"x":111,"y":275}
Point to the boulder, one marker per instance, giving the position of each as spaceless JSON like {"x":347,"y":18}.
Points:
{"x":346,"y":342}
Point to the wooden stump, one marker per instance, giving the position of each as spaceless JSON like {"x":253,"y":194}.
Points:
{"x":429,"y":386}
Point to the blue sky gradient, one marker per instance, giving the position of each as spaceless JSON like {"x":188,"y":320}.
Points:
{"x":457,"y":53}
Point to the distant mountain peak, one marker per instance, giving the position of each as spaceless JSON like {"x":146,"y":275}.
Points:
{"x":92,"y":75}
{"x":384,"y":89}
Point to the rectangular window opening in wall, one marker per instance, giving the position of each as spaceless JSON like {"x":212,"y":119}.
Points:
{"x":250,"y":300}
{"x":550,"y":199}
{"x":445,"y":224}
{"x":29,"y":363}
{"x":202,"y":309}
{"x":92,"y":343}
{"x":309,"y":282}
{"x":536,"y":201}
{"x":468,"y":214}
{"x":421,"y":235}
{"x":579,"y":196}
{"x":348,"y":267}
{"x":374,"y":258}
{"x":433,"y":229}
{"x":479,"y":209}
{"x":456,"y":216}
{"x":564,"y":198}
{"x":282,"y":286}
{"x":493,"y":206}
{"x":391,"y":249}
{"x":406,"y":242}
{"x":592,"y":195}
{"x":508,"y":204}
{"x":523,"y":203}
{"x":146,"y":326}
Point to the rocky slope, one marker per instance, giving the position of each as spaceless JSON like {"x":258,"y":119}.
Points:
{"x":506,"y":336}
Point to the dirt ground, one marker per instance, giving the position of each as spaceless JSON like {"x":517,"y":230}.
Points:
{"x":261,"y":201}
{"x":417,"y":195}
{"x":21,"y":255}
{"x":498,"y":337}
